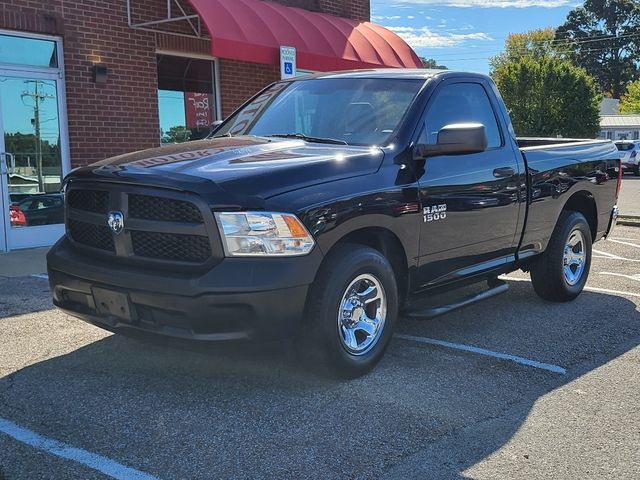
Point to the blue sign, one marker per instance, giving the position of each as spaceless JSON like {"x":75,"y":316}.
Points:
{"x":288,"y":68}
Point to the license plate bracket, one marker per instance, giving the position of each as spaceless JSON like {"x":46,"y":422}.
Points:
{"x":112,"y":303}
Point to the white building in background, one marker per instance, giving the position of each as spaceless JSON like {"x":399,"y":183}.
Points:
{"x":620,"y":127}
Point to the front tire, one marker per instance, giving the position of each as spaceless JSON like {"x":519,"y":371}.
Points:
{"x":561,"y":272}
{"x":351,"y":312}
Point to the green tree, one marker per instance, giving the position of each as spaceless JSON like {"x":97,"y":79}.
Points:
{"x":549,"y":96}
{"x":534,"y":43}
{"x":177,"y":134}
{"x":603,"y":37}
{"x":630,"y":101}
{"x":24,"y":147}
{"x":432,"y":64}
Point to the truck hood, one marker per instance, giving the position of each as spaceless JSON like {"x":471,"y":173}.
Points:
{"x":244,"y":166}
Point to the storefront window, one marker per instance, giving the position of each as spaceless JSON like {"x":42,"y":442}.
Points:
{"x":186,"y":99}
{"x":28,"y":51}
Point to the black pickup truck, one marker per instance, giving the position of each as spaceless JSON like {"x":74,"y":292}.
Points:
{"x":326,"y":205}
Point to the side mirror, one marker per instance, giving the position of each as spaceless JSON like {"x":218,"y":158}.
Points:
{"x":455,"y":139}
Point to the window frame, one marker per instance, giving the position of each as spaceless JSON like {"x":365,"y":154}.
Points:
{"x":454,"y":81}
{"x":215,"y":81}
{"x":21,"y":67}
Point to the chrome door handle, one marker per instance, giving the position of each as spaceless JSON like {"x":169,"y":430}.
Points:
{"x":11,"y":168}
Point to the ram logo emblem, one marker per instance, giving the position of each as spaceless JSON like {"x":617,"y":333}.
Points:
{"x":115,"y":220}
{"x":435,"y":212}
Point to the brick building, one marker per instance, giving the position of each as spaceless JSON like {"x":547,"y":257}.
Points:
{"x":82,"y":80}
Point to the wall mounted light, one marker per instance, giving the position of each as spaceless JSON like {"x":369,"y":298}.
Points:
{"x":99,"y":71}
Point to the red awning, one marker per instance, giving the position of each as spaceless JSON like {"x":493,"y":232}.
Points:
{"x":254,"y":31}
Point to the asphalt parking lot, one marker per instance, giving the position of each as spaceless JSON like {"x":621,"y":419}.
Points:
{"x":553,"y":393}
{"x":628,"y":200}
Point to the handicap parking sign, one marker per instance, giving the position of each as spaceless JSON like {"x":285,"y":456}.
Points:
{"x":287,"y":62}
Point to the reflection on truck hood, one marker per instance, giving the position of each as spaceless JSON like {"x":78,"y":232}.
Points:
{"x":247,"y":165}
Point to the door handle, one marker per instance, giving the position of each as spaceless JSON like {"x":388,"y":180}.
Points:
{"x":504,"y":172}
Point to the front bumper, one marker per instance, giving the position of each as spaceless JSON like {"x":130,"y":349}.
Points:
{"x":238,"y":299}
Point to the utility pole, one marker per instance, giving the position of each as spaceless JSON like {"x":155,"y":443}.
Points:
{"x":37,"y":98}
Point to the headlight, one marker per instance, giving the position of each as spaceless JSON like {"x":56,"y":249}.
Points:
{"x":248,"y":234}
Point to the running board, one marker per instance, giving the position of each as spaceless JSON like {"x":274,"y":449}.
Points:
{"x":496,"y":287}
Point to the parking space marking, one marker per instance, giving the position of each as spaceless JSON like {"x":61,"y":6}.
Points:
{"x":630,"y":277}
{"x":43,"y":276}
{"x":611,"y":256}
{"x":482,"y":351}
{"x":624,"y":243}
{"x":589,"y":289}
{"x":94,"y":461}
{"x":624,"y":238}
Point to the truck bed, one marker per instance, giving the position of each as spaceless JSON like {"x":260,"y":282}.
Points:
{"x":561,"y":167}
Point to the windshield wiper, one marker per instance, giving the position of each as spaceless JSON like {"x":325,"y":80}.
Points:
{"x":307,"y":138}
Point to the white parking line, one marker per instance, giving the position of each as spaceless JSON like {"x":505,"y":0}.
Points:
{"x":589,"y":289}
{"x":624,"y":243}
{"x":44,"y":276}
{"x":624,"y":238}
{"x":630,"y":277}
{"x":482,"y":351}
{"x":96,"y":462}
{"x":611,"y":256}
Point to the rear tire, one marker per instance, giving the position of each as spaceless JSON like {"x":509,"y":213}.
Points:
{"x":561,"y":272}
{"x":351,"y":312}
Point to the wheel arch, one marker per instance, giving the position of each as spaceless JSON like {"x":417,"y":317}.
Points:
{"x":388,"y":244}
{"x":584,"y":203}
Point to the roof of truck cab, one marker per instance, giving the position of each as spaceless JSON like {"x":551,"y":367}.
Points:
{"x":406,"y":73}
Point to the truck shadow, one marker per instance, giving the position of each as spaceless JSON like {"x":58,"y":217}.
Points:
{"x":20,"y":295}
{"x":240,"y":412}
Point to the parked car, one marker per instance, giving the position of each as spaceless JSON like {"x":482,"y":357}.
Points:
{"x":630,"y":155}
{"x":326,"y":205}
{"x":42,"y":209}
{"x":17,"y":217}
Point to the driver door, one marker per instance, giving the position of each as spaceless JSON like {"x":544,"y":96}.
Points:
{"x":470,"y":202}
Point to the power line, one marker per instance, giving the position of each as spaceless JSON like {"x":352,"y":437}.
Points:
{"x":564,"y":43}
{"x":523,"y":51}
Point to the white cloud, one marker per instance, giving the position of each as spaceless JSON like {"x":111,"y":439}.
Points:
{"x":425,"y":37}
{"x":490,"y":3}
{"x":377,"y":18}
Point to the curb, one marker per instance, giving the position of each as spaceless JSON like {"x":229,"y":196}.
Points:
{"x":629,"y":220}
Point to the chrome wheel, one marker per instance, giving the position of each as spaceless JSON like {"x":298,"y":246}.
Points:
{"x":362,"y":313}
{"x":574,"y":258}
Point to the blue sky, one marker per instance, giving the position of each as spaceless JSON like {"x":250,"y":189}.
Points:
{"x":463,"y":34}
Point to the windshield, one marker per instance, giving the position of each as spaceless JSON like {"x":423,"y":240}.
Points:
{"x":624,"y":147}
{"x":362,"y":111}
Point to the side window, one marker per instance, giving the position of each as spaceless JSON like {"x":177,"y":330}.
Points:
{"x":461,"y":103}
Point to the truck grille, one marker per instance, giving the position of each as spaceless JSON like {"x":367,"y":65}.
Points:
{"x":185,"y":248}
{"x":160,"y":226}
{"x":89,"y":200}
{"x":164,"y":209}
{"x":96,"y":236}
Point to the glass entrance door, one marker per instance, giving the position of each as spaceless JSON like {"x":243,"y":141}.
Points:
{"x":33,"y":154}
{"x":34,"y":150}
